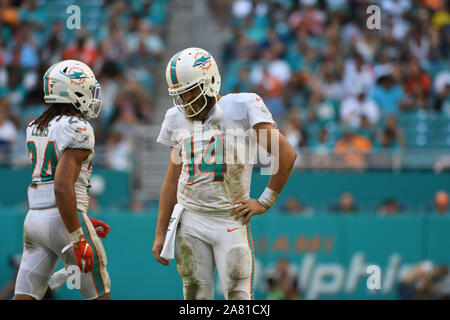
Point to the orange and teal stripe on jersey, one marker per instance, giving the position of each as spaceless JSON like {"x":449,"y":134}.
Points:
{"x":252,"y":249}
{"x":96,"y":267}
{"x":173,"y":70}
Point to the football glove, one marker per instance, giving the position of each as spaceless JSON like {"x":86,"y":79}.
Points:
{"x":101,"y":228}
{"x":83,"y":251}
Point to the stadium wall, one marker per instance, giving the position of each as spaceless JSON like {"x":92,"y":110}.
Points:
{"x":329,"y":253}
{"x":411,"y":188}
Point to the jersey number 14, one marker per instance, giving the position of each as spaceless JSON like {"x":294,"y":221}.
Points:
{"x":215,"y":150}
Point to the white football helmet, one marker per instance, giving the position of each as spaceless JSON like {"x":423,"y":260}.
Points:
{"x":72,"y":81}
{"x":190,"y":68}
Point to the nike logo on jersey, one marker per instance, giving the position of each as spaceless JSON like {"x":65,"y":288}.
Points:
{"x":229,"y":230}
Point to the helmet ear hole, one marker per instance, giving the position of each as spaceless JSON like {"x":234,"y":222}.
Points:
{"x":212,"y":80}
{"x":79,"y":94}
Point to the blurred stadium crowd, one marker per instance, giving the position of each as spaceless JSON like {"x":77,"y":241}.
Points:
{"x":343,"y":95}
{"x":337,"y":88}
{"x":122,"y":41}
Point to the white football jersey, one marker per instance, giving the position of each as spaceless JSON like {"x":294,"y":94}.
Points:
{"x":45,"y":148}
{"x":216,"y":154}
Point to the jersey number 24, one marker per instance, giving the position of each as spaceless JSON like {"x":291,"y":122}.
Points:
{"x":50,"y":161}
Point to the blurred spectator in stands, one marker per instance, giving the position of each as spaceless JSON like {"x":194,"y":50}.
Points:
{"x":366,"y":128}
{"x":243,"y":83}
{"x":368,"y":45}
{"x":416,"y":283}
{"x":83,"y":49}
{"x":441,"y":283}
{"x":395,"y":7}
{"x":297,"y":91}
{"x":294,"y":132}
{"x":389,"y":207}
{"x":8,"y":13}
{"x":387,"y":94}
{"x":352,"y":149}
{"x":419,"y":43}
{"x":276,"y":46}
{"x":271,"y":88}
{"x":392,"y":47}
{"x":283,"y":282}
{"x":240,"y":47}
{"x":146,"y":46}
{"x":322,"y":148}
{"x":391,"y":136}
{"x":14,"y":90}
{"x":322,"y":110}
{"x":8,"y":130}
{"x":358,"y":106}
{"x":416,"y":79}
{"x":276,"y":67}
{"x":442,"y":89}
{"x":441,"y":203}
{"x":442,"y":164}
{"x":330,"y":83}
{"x":417,"y":86}
{"x":53,"y":49}
{"x":240,"y":9}
{"x":346,"y":204}
{"x":110,"y":79}
{"x":311,"y":62}
{"x":137,"y":206}
{"x":221,"y":9}
{"x":309,"y":17}
{"x":115,"y":48}
{"x":425,"y":281}
{"x":132,"y":107}
{"x":293,"y":205}
{"x":118,"y":151}
{"x":23,"y":50}
{"x":357,"y":75}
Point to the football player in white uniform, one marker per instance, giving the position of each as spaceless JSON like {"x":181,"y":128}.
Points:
{"x":60,"y":144}
{"x":209,"y":177}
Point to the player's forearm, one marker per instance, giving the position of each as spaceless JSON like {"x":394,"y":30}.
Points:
{"x":286,"y":160}
{"x":66,"y":201}
{"x":167,"y":201}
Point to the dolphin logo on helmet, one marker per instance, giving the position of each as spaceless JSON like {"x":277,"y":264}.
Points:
{"x":203,"y":62}
{"x":72,"y":81}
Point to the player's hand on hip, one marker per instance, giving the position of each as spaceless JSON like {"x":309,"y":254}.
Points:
{"x":246,"y":209}
{"x":84,"y":254}
{"x":100,"y":227}
{"x":157,"y":248}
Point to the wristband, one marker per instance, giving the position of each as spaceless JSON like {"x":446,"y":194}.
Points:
{"x":268,"y":198}
{"x":75,"y":236}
